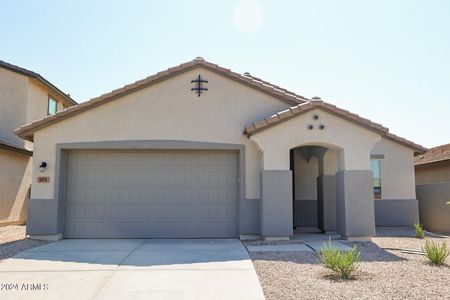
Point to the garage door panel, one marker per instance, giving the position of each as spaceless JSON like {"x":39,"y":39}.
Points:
{"x":172,"y":194}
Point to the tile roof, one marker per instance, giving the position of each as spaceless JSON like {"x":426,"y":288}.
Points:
{"x":8,"y":146}
{"x":319,"y":104}
{"x":39,"y":78}
{"x":435,"y":154}
{"x":284,"y":95}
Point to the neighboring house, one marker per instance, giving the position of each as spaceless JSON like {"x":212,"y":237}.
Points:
{"x":200,"y":151}
{"x":433,"y":188}
{"x":24,"y":96}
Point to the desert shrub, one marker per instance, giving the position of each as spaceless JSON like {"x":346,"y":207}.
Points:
{"x":341,"y":262}
{"x":420,"y":232}
{"x":437,"y":254}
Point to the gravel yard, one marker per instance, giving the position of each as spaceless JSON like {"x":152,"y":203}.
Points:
{"x":13,"y":240}
{"x":382,"y":273}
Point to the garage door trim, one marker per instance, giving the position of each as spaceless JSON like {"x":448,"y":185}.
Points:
{"x":61,"y":164}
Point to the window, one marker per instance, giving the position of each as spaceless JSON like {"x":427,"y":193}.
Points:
{"x":52,"y":106}
{"x":376,"y":170}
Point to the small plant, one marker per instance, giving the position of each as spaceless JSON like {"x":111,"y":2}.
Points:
{"x":420,"y":232}
{"x":341,"y":262}
{"x":437,"y":254}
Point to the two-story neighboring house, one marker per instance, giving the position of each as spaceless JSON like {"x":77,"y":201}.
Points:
{"x":25,"y":96}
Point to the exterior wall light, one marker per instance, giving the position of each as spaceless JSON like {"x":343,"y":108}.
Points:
{"x":43,"y":166}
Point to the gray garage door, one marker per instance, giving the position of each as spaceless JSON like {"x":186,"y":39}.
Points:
{"x":151,"y":194}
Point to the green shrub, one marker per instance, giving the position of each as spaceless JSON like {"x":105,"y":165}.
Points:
{"x":341,"y":262}
{"x":420,"y":232}
{"x":436,"y":253}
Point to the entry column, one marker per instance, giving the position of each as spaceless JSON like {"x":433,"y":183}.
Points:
{"x":276,"y":204}
{"x":354,"y":204}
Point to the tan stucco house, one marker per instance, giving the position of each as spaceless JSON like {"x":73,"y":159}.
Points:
{"x":433,"y":188}
{"x":24,"y":96}
{"x":201,"y":151}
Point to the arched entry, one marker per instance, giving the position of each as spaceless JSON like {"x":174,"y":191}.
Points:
{"x":313,"y":170}
{"x":353,"y":179}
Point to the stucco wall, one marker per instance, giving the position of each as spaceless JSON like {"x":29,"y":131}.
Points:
{"x":433,"y":208}
{"x":166,"y":111}
{"x":396,"y":212}
{"x":397,"y":170}
{"x":15,"y":180}
{"x":330,"y":160}
{"x":338,"y":134}
{"x":433,"y":173}
{"x":37,"y":105}
{"x":13,"y":101}
{"x":306,"y":173}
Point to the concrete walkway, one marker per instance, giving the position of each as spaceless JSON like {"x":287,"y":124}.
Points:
{"x":132,"y":269}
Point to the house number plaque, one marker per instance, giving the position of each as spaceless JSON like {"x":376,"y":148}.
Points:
{"x":43,"y":179}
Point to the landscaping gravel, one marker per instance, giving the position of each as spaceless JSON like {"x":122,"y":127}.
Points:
{"x":13,"y":240}
{"x":382,"y":274}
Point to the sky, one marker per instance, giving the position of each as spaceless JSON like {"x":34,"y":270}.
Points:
{"x":388,"y":61}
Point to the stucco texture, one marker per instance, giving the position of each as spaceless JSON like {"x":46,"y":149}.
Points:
{"x":397,"y":170}
{"x":23,"y":100}
{"x":433,"y":208}
{"x":353,"y":142}
{"x":167,"y":110}
{"x":15,"y":182}
{"x":433,"y":173}
{"x":13,"y":96}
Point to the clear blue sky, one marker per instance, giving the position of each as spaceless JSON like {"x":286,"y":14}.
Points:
{"x":388,"y":61}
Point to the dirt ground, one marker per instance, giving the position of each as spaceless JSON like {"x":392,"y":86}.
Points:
{"x":13,"y":240}
{"x":383,"y":273}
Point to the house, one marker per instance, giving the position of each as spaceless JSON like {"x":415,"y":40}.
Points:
{"x":24,"y":96}
{"x":433,"y":188}
{"x":201,"y":151}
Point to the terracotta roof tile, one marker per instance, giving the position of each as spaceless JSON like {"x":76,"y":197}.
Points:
{"x":436,"y":154}
{"x":304,"y":107}
{"x":27,"y":130}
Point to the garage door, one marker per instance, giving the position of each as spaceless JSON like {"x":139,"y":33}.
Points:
{"x":151,"y":194}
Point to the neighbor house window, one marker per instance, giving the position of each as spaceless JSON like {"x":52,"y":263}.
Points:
{"x":376,"y":170}
{"x":52,"y":106}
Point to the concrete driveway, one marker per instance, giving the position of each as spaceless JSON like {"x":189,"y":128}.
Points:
{"x":131,"y":269}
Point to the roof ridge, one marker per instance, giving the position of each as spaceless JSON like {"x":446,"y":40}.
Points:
{"x":275,"y":86}
{"x":26,"y":130}
{"x":320,"y":104}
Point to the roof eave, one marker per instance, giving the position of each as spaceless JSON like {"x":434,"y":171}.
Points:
{"x":430,"y":163}
{"x":16,"y":149}
{"x":27,"y":131}
{"x":353,"y":118}
{"x":56,"y":90}
{"x":38,"y":77}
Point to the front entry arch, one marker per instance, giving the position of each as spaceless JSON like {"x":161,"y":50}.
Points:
{"x":319,"y":130}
